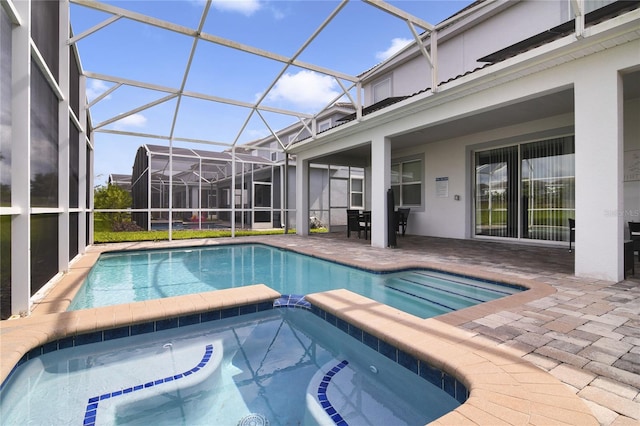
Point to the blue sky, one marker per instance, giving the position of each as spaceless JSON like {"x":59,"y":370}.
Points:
{"x":359,"y":37}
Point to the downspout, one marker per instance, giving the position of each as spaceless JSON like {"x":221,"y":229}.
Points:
{"x":285,"y":190}
{"x":170,"y":189}
{"x":233,"y":191}
{"x":149,"y":190}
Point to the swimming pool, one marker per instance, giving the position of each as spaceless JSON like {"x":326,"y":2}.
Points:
{"x":124,"y":277}
{"x":281,"y":366}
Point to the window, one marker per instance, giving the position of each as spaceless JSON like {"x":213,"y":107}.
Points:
{"x":226,"y":197}
{"x":324,"y":125}
{"x":209,"y":198}
{"x":406,"y":183}
{"x":357,"y":193}
{"x":382,"y":90}
{"x":241,"y":198}
{"x":526,"y":191}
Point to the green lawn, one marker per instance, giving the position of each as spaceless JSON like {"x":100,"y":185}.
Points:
{"x":102,"y":234}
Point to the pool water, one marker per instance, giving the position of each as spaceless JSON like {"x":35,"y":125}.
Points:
{"x":125,"y":277}
{"x":281,"y":366}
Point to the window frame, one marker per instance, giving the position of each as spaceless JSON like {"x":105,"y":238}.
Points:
{"x":352,"y":205}
{"x":399,"y":202}
{"x":322,"y":124}
{"x":386,"y":82}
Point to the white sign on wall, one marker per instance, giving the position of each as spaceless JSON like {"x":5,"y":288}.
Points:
{"x":442,"y":187}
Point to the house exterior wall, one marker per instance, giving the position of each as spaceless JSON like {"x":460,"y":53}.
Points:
{"x":447,"y":217}
{"x":458,"y":53}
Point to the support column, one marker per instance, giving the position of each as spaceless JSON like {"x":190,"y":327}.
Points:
{"x":380,"y":182}
{"x":21,"y":161}
{"x":82,"y":169}
{"x":302,"y":196}
{"x":90,"y":161}
{"x":598,"y":161}
{"x":63,"y":139}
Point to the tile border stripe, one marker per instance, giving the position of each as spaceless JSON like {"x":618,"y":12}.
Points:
{"x":322,"y":394}
{"x":91,"y":414}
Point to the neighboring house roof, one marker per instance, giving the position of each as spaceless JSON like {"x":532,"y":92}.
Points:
{"x":338,"y":108}
{"x":114,"y":177}
{"x":224,"y":156}
{"x":120,"y":180}
{"x":117,"y":179}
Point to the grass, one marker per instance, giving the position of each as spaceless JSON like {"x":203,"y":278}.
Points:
{"x":102,"y":234}
{"x":117,"y":237}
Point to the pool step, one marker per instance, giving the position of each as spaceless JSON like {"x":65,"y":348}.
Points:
{"x":443,"y":291}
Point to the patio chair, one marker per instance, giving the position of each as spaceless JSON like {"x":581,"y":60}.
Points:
{"x":353,"y":223}
{"x":572,"y":233}
{"x":634,"y":233}
{"x":402,"y":216}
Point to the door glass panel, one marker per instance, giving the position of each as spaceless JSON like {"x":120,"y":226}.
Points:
{"x":262,"y":213}
{"x":496,"y":192}
{"x":339,"y":192}
{"x":262,"y":195}
{"x":548,"y":189}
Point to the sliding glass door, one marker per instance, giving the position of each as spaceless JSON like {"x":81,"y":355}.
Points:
{"x":526,"y":191}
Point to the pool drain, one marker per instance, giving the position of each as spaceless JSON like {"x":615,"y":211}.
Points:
{"x":253,"y":419}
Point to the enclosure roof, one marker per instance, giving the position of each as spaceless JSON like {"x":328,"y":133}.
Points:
{"x":190,"y":93}
{"x":198,"y":154}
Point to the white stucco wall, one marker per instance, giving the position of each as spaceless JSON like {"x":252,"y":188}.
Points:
{"x":452,"y":158}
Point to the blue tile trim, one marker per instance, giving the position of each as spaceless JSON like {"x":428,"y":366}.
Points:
{"x":438,"y":378}
{"x":322,"y":394}
{"x":292,"y":301}
{"x":90,"y":413}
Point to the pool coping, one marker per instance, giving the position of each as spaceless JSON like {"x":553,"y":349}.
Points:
{"x":503,"y":387}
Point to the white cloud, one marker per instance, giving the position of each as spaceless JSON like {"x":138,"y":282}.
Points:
{"x":253,"y":134}
{"x":396,"y":45}
{"x":306,"y":89}
{"x":246,"y":7}
{"x":96,"y":88}
{"x":133,"y":120}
